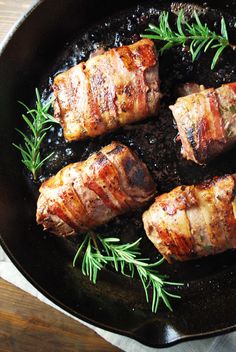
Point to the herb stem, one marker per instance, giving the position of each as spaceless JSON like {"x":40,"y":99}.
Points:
{"x":94,"y":240}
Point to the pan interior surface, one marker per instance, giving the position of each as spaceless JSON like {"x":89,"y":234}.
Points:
{"x":41,"y":48}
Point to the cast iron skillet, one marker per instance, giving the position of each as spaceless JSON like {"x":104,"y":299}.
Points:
{"x":40,"y":45}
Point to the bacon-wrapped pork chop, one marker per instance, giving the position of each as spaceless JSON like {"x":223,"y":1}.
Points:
{"x":194,"y":221}
{"x":206,"y":122}
{"x":87,"y":194}
{"x":110,"y":90}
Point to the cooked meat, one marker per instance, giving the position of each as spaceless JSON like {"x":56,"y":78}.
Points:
{"x":194,"y":221}
{"x":87,"y":194}
{"x":206,"y":122}
{"x":110,"y":90}
{"x":189,"y":88}
{"x":98,"y":51}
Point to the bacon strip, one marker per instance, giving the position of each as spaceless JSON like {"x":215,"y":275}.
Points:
{"x":194,"y":221}
{"x":87,"y":194}
{"x":206,"y":121}
{"x":110,"y":90}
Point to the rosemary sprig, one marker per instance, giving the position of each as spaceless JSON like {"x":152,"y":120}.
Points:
{"x":197,"y":35}
{"x":99,"y":251}
{"x":38,"y":121}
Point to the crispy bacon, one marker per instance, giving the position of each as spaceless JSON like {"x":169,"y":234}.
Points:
{"x":110,"y":90}
{"x":194,"y":221}
{"x":87,"y":194}
{"x":206,"y":121}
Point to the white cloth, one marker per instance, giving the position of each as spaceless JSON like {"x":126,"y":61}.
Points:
{"x":223,"y":343}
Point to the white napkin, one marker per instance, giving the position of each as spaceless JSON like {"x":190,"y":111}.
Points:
{"x":224,"y":343}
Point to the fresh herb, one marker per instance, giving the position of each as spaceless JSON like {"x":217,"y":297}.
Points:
{"x":39,"y":122}
{"x":125,"y":258}
{"x":197,"y":35}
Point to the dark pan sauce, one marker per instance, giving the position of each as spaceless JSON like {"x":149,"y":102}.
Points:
{"x":154,"y":139}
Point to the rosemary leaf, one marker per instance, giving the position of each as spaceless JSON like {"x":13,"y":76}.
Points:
{"x":224,"y":32}
{"x":216,"y":56}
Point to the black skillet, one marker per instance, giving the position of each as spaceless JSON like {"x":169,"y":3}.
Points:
{"x":53,"y":36}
